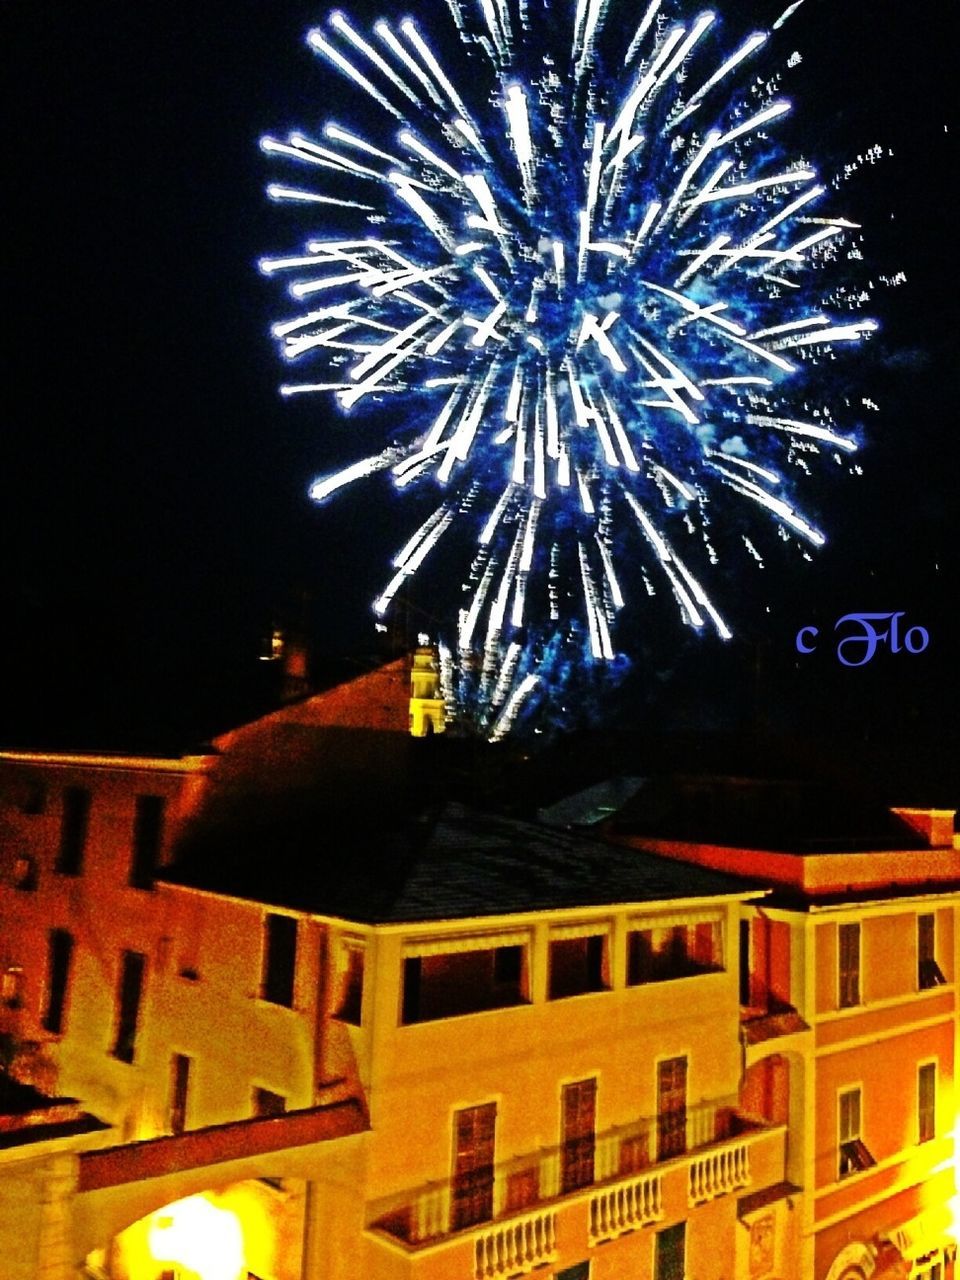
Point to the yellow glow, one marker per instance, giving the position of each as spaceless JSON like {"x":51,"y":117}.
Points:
{"x":953,"y":1204}
{"x":196,"y":1236}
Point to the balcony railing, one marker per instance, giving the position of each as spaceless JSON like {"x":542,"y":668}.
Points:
{"x":623,"y":1207}
{"x":517,"y":1246}
{"x":515,"y":1228}
{"x":717,"y":1172}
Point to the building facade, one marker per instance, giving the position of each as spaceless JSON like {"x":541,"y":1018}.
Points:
{"x":848,"y":996}
{"x":459,"y":1047}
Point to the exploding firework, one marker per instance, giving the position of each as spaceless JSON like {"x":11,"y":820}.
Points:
{"x":600,"y":293}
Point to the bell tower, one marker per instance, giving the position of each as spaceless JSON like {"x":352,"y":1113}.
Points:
{"x":427,"y":711}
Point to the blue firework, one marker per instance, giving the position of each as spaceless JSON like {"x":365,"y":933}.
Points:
{"x":597,"y":290}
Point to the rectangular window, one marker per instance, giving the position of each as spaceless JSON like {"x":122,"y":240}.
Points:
{"x":671,"y":1108}
{"x":75,"y":818}
{"x":12,"y":987}
{"x":448,"y":984}
{"x":577,"y":965}
{"x":853,"y":1154}
{"x":579,"y":1134}
{"x":745,"y":962}
{"x":279,"y":959}
{"x":580,"y":1272}
{"x":474,"y":1132}
{"x":59,"y":954}
{"x":32,"y":796}
{"x":670,"y":1253}
{"x":147,"y":837}
{"x":25,"y":872}
{"x":848,"y":968}
{"x":179,"y":1088}
{"x":267,"y":1104}
{"x":128,"y":1001}
{"x":350,"y":1008}
{"x":926,"y":1102}
{"x":657,"y":953}
{"x":929,"y":973}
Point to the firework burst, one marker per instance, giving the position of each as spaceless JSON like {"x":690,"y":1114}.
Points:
{"x":575,"y":256}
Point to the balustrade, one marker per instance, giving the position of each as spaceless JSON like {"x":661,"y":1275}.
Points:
{"x":626,"y":1191}
{"x":516,"y":1247}
{"x":624,"y":1207}
{"x":715,"y":1173}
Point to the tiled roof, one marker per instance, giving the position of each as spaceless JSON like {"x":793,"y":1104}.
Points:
{"x":460,"y":864}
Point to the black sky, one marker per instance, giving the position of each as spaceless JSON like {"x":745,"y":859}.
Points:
{"x":155,"y":483}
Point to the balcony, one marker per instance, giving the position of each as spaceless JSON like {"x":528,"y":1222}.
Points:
{"x":632,"y":1177}
{"x":758,"y":1025}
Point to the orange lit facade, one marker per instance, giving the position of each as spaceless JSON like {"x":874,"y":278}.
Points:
{"x":491,"y":1051}
{"x":848,"y":992}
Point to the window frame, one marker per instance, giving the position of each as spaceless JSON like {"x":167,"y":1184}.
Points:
{"x":927,"y":1064}
{"x":416,"y":986}
{"x":60,"y":962}
{"x":671,"y":1133}
{"x":849,"y":985}
{"x":929,"y":973}
{"x":266,"y":1103}
{"x":853,"y":1154}
{"x":674,"y":933}
{"x":277,"y":986}
{"x":131,"y":978}
{"x":578,"y":1144}
{"x":473,"y":1188}
{"x":350,"y":978}
{"x":13,"y":986}
{"x":76,"y":805}
{"x":677,"y":1230}
{"x":181,"y":1068}
{"x":597,"y":937}
{"x":147,"y":842}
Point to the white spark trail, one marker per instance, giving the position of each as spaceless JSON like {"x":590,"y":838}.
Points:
{"x":317,"y":41}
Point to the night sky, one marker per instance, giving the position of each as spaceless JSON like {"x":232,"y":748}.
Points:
{"x":155,"y":483}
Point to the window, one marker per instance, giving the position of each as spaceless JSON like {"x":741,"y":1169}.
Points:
{"x":671,"y":1108}
{"x":673,"y":949}
{"x":179,"y":1088}
{"x":445,"y":984}
{"x":33,"y":797}
{"x":279,"y":959}
{"x":929,"y":973}
{"x":25,"y":872}
{"x":59,"y":953}
{"x":926,"y":1101}
{"x":12,"y":984}
{"x":350,"y":1007}
{"x":580,"y":1272}
{"x":745,"y":962}
{"x":147,"y":837}
{"x":577,"y":965}
{"x":473,"y":1138}
{"x":74,"y":821}
{"x":267,"y":1104}
{"x":578,"y":1123}
{"x":128,"y":1001}
{"x":670,"y":1253}
{"x":853,"y":1154}
{"x":848,"y":970}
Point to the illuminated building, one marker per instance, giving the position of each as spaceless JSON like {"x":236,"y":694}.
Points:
{"x":427,"y":711}
{"x":462,"y":1048}
{"x":848,"y":989}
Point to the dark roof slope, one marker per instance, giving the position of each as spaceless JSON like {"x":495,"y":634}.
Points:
{"x":785,"y":815}
{"x":457,"y":864}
